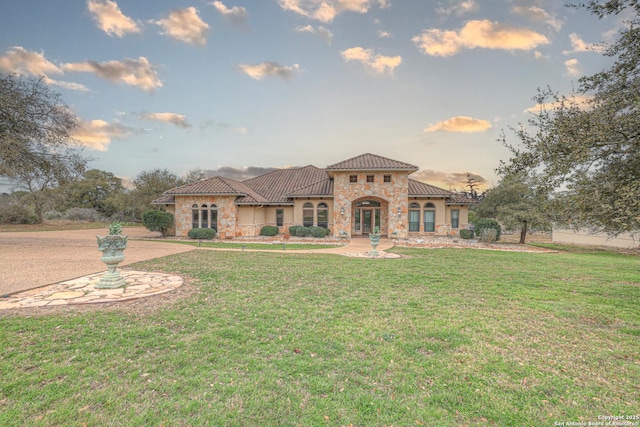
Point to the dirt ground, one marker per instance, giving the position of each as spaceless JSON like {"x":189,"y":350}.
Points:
{"x":31,"y":259}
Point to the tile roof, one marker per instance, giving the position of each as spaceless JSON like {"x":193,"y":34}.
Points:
{"x":370,"y":161}
{"x":164,"y":200}
{"x":458,"y":199}
{"x":417,"y":188}
{"x":274,"y":186}
{"x":320,"y":188}
{"x":218,"y":186}
{"x":215,"y":185}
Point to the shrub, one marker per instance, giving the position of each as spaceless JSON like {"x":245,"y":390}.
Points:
{"x":156,"y":220}
{"x":484,"y":223}
{"x":292,"y":229}
{"x":318,"y":231}
{"x":52,"y":215}
{"x":202,"y":233}
{"x":327,"y":231}
{"x":466,"y":234}
{"x":302,"y":231}
{"x":488,"y":235}
{"x":83,"y":214}
{"x":17,"y":214}
{"x":269,"y":230}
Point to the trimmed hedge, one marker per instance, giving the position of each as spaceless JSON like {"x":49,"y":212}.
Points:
{"x":292,"y":230}
{"x":156,"y":220}
{"x":269,"y":230}
{"x":484,"y":223}
{"x":466,"y":234}
{"x":318,"y":231}
{"x":302,"y":231}
{"x":202,"y":233}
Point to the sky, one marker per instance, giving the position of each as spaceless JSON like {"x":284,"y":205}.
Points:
{"x":237,"y":86}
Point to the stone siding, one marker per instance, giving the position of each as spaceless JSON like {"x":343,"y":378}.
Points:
{"x":227,"y":213}
{"x":394,"y":194}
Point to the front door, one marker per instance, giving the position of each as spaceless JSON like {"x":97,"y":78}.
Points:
{"x":366,"y":220}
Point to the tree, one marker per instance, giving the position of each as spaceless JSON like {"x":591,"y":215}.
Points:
{"x":97,"y":189}
{"x":149,"y":185}
{"x":36,"y":147}
{"x":471,"y":188}
{"x":157,"y":220}
{"x":516,"y":204}
{"x":589,"y":153}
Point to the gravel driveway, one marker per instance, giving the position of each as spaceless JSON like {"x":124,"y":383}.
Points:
{"x":33,"y":259}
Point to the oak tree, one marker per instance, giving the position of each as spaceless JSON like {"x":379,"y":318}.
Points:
{"x":589,"y":151}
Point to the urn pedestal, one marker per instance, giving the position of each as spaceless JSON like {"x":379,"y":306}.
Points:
{"x":112,"y":248}
{"x":375,"y":241}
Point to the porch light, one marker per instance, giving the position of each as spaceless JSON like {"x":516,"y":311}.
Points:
{"x":399,"y":212}
{"x":342,"y":211}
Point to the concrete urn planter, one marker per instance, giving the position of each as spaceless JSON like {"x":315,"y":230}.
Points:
{"x":374,"y":238}
{"x":112,"y":247}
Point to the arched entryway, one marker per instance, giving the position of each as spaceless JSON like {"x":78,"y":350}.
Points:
{"x":368,"y":213}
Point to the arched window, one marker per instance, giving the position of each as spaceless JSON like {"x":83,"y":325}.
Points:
{"x":204,"y":216}
{"x":307,"y":214}
{"x":323,"y":215}
{"x":195,"y":216}
{"x":414,"y":217}
{"x":429,"y":218}
{"x":214,"y":217}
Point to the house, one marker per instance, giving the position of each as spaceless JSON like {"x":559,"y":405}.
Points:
{"x":349,"y":198}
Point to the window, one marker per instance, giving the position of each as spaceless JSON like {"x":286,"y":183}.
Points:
{"x":357,"y":219}
{"x":307,"y":214}
{"x":455,"y":217}
{"x":353,"y":178}
{"x":414,"y":217}
{"x":214,"y":217}
{"x":369,"y":178}
{"x":429,"y":218}
{"x":387,"y":178}
{"x":195,"y":216}
{"x":204,"y":217}
{"x":279,"y":217}
{"x":323,"y":215}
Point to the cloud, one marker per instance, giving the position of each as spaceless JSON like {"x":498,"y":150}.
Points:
{"x":239,"y":174}
{"x":460,"y":124}
{"x":449,"y":179}
{"x":384,"y":34}
{"x":573,"y":67}
{"x":110,"y":19}
{"x":478,"y":34}
{"x":186,"y":26}
{"x":173,"y":118}
{"x":259,"y":71}
{"x":582,"y":102}
{"x":97,"y":134}
{"x":135,"y":72}
{"x":327,"y":10}
{"x":537,"y":14}
{"x":374,"y":62}
{"x":321,"y":31}
{"x":458,"y":8}
{"x":237,"y":15}
{"x":579,"y":45}
{"x":21,"y":61}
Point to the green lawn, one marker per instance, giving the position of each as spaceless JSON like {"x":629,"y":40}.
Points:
{"x":253,"y":245}
{"x":443,"y":337}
